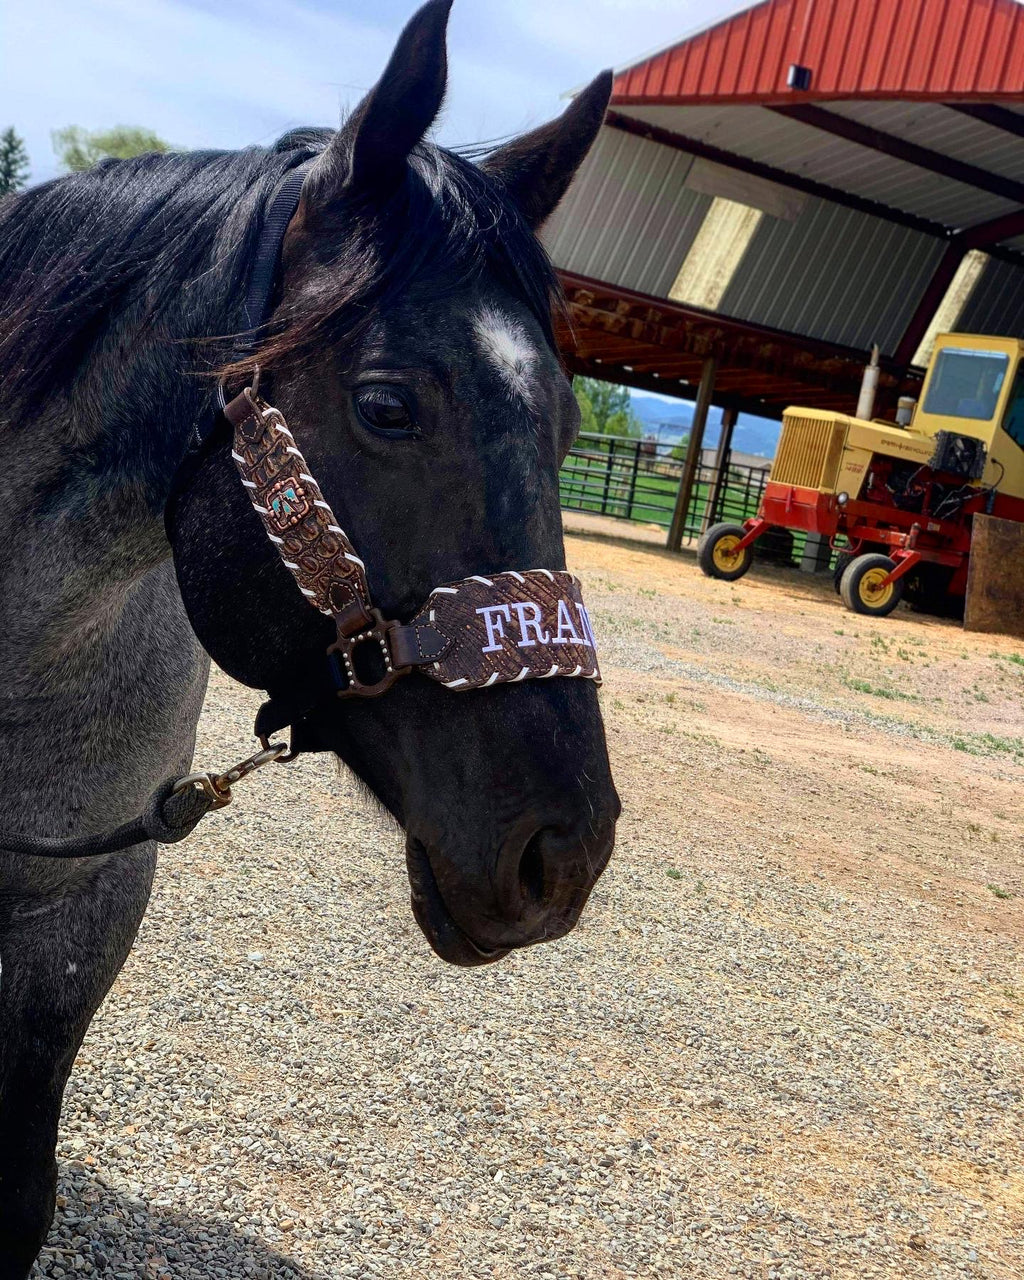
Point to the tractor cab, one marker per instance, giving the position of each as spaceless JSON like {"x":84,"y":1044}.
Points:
{"x":975,"y":387}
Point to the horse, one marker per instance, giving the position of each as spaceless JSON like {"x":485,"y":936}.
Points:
{"x":411,"y":348}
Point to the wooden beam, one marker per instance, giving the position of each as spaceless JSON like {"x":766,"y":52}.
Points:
{"x":865,"y":135}
{"x":693,"y":453}
{"x":731,"y":160}
{"x":992,"y":114}
{"x":662,"y":314}
{"x":931,"y":299}
{"x":983,"y":234}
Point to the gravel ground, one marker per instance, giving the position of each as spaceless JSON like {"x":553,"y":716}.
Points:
{"x":785,"y":1041}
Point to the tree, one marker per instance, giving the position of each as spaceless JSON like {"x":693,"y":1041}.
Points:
{"x":605,"y":409}
{"x":13,"y":162}
{"x":681,"y":449}
{"x":78,"y":148}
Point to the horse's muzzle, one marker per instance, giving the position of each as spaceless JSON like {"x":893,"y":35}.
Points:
{"x":535,"y":893}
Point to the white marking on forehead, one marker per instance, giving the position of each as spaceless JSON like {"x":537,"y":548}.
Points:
{"x":506,"y":344}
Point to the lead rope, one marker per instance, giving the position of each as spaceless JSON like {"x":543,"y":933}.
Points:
{"x":173,"y":811}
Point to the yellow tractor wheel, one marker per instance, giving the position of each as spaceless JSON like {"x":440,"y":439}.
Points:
{"x":864,"y":588}
{"x":719,"y":554}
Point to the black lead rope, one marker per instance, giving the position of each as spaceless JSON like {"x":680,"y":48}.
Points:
{"x":178,"y":805}
{"x":169,"y":816}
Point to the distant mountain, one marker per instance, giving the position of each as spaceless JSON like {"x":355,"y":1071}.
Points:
{"x":670,"y":421}
{"x":649,"y":410}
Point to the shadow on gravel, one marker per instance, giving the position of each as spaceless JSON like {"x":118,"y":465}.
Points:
{"x":99,"y":1231}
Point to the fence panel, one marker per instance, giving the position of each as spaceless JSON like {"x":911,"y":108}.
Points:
{"x":639,"y":479}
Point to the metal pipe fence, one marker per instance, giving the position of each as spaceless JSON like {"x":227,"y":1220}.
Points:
{"x":639,"y":479}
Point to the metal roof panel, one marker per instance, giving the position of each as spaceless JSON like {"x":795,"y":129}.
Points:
{"x":933,"y":125}
{"x":628,"y":217}
{"x":929,"y":48}
{"x":797,"y":276}
{"x":996,"y":304}
{"x":777,"y":140}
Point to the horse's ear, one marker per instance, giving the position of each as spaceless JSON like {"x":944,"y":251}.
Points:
{"x":369,"y":153}
{"x":537,"y":168}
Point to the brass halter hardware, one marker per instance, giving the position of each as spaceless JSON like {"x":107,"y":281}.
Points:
{"x":218,"y":786}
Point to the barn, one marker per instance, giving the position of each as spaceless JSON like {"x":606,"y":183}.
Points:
{"x":773,"y":195}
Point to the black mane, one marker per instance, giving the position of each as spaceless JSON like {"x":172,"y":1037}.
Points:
{"x":163,"y":243}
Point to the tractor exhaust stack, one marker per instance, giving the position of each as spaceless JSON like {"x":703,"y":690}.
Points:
{"x":869,"y":387}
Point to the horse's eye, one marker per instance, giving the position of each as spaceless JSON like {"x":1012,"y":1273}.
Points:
{"x":385,"y":410}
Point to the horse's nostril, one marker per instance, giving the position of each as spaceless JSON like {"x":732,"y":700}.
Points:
{"x":531,"y":869}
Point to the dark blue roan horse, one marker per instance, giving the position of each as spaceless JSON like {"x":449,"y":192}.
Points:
{"x":410,"y":346}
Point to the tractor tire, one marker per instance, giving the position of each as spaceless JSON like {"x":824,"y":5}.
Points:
{"x":845,"y":558}
{"x":860,"y":587}
{"x":716,"y":555}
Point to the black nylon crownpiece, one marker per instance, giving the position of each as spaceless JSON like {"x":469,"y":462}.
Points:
{"x":268,"y":252}
{"x":256,"y":308}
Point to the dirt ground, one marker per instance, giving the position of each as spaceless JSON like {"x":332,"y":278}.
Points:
{"x":785,"y":1041}
{"x":875,"y":768}
{"x":881,"y":752}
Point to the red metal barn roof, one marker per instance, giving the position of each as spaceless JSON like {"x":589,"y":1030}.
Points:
{"x":941,"y":49}
{"x":887,"y":192}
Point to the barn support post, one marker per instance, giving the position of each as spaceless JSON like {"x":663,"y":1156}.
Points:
{"x":722,"y":456}
{"x":693,"y":453}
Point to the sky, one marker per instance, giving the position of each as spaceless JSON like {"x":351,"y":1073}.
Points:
{"x":223,"y":73}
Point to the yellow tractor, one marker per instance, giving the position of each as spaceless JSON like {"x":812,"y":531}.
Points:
{"x":897,"y":499}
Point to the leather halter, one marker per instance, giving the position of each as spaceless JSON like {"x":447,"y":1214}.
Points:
{"x":482,"y":630}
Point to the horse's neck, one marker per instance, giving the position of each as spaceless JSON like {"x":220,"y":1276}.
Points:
{"x":100,"y":675}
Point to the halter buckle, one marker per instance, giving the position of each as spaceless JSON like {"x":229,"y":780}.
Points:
{"x":341,"y":656}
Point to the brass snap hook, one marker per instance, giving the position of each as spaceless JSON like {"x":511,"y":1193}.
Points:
{"x":218,"y":786}
{"x":207,"y":783}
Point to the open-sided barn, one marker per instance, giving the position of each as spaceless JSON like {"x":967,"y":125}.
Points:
{"x":775,"y":194}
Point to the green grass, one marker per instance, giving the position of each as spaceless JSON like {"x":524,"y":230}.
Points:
{"x":987,"y":744}
{"x":654,"y":497}
{"x":588,"y":487}
{"x":879,"y":691}
{"x":585,"y":484}
{"x":999,"y":892}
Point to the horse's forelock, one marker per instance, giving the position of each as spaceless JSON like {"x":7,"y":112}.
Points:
{"x":139,"y":235}
{"x":447,"y":225}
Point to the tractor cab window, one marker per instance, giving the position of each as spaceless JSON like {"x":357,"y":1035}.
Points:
{"x":1013,"y":423}
{"x":966,"y":383}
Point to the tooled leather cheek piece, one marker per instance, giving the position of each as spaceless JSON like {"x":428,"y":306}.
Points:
{"x":504,"y":627}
